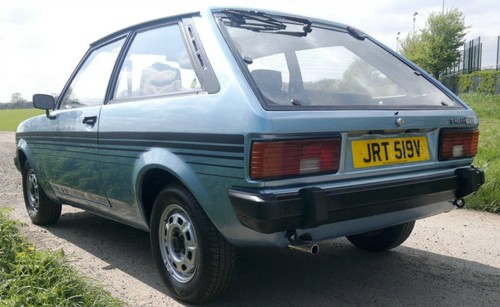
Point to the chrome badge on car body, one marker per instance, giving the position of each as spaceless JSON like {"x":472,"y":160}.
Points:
{"x":469,"y":120}
{"x":400,"y":122}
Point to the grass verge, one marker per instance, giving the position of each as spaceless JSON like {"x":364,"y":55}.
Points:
{"x":488,"y":158}
{"x":31,"y":277}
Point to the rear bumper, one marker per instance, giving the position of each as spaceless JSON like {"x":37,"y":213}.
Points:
{"x":311,"y":207}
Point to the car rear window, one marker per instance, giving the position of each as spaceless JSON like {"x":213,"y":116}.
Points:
{"x":295,"y":63}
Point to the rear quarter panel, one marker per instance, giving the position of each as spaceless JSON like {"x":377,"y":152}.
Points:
{"x":199,"y":139}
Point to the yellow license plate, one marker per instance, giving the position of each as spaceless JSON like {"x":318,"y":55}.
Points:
{"x":367,"y":153}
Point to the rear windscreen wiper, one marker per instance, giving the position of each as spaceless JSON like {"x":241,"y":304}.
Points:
{"x":263,"y":22}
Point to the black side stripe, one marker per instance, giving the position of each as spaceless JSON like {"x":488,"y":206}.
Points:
{"x":194,"y":141}
{"x":207,"y":142}
{"x":234,"y":139}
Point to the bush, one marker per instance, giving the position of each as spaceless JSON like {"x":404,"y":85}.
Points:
{"x":451,"y":82}
{"x":484,"y":82}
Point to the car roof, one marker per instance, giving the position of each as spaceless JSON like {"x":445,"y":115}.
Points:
{"x":141,"y":25}
{"x":208,"y":10}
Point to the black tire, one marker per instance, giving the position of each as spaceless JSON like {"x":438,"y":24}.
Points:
{"x":41,"y":209}
{"x":194,"y":260}
{"x":382,"y":239}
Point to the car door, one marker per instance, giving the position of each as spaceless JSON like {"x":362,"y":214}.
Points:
{"x":72,"y":166}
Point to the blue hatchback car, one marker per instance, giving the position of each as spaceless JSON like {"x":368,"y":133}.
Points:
{"x":227,"y":128}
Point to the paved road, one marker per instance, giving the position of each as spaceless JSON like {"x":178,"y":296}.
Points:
{"x":450,"y":260}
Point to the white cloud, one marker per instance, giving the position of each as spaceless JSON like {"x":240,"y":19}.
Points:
{"x":42,"y":41}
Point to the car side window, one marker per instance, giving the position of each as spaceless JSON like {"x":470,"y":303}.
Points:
{"x":157,"y":63}
{"x":88,"y":87}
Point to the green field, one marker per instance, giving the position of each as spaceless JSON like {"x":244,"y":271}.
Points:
{"x":9,"y":119}
{"x":488,"y":158}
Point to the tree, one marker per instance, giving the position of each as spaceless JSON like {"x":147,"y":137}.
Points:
{"x":17,"y":98}
{"x":413,"y":48}
{"x":436,"y":48}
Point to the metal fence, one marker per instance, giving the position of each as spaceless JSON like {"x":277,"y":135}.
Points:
{"x":478,"y":54}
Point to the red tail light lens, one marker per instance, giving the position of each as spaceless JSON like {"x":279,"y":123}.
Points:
{"x":458,"y":144}
{"x":293,"y":158}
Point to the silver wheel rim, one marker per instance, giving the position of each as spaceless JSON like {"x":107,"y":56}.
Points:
{"x":178,"y":243}
{"x":32,"y":190}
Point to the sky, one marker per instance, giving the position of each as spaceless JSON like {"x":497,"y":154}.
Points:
{"x":41,"y":42}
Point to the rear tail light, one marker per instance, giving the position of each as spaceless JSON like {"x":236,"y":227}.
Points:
{"x":277,"y":159}
{"x":458,"y":144}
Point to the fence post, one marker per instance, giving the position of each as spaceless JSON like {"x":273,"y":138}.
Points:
{"x":498,"y":53}
{"x":479,"y":53}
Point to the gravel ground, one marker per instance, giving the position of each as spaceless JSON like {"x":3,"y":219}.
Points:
{"x":450,"y":260}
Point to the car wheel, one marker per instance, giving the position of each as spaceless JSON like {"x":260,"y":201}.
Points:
{"x":41,"y":209}
{"x":382,"y":239}
{"x":194,"y":260}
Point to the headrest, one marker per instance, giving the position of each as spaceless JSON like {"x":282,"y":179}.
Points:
{"x":267,"y":79}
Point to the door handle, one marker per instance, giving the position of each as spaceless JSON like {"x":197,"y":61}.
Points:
{"x":90,"y":120}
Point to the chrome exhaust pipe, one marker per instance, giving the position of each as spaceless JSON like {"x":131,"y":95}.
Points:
{"x":459,"y":202}
{"x":312,"y":249}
